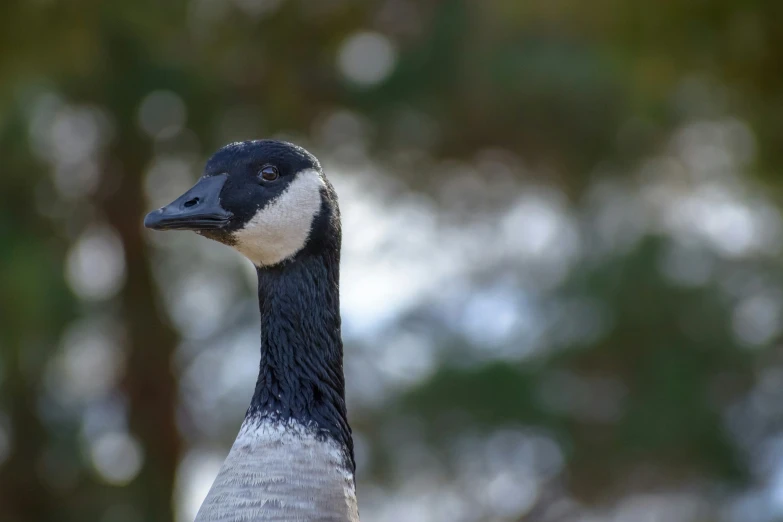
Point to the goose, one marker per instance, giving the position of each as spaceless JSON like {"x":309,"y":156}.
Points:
{"x":293,"y":458}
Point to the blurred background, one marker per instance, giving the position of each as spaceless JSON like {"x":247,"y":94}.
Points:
{"x":561,"y":281}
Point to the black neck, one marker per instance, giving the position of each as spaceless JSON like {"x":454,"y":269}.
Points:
{"x":301,"y":373}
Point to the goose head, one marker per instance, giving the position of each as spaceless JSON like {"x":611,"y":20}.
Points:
{"x":267,"y":199}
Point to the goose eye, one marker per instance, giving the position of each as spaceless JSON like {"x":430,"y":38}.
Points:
{"x":269,"y":173}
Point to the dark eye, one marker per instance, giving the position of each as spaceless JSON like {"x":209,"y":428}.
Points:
{"x":269,"y":173}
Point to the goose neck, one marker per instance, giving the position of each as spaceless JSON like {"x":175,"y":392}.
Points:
{"x":301,"y":371}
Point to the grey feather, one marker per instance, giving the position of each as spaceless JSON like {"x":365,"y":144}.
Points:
{"x":280,"y":471}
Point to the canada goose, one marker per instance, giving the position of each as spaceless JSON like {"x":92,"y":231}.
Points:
{"x":293,"y":456}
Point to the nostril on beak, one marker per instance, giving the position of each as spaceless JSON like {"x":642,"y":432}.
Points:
{"x":191,"y":203}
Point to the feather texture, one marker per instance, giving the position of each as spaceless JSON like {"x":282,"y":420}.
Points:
{"x":281,"y":471}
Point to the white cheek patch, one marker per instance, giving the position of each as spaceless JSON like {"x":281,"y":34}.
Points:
{"x":280,"y":230}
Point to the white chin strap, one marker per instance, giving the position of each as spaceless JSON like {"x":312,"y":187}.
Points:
{"x":281,"y":228}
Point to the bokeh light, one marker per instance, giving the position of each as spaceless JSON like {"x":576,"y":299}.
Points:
{"x":367,"y":58}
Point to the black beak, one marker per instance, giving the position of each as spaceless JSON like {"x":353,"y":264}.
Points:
{"x":197,"y":209}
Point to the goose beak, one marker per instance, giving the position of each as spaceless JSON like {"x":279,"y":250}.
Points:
{"x":197,"y":209}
